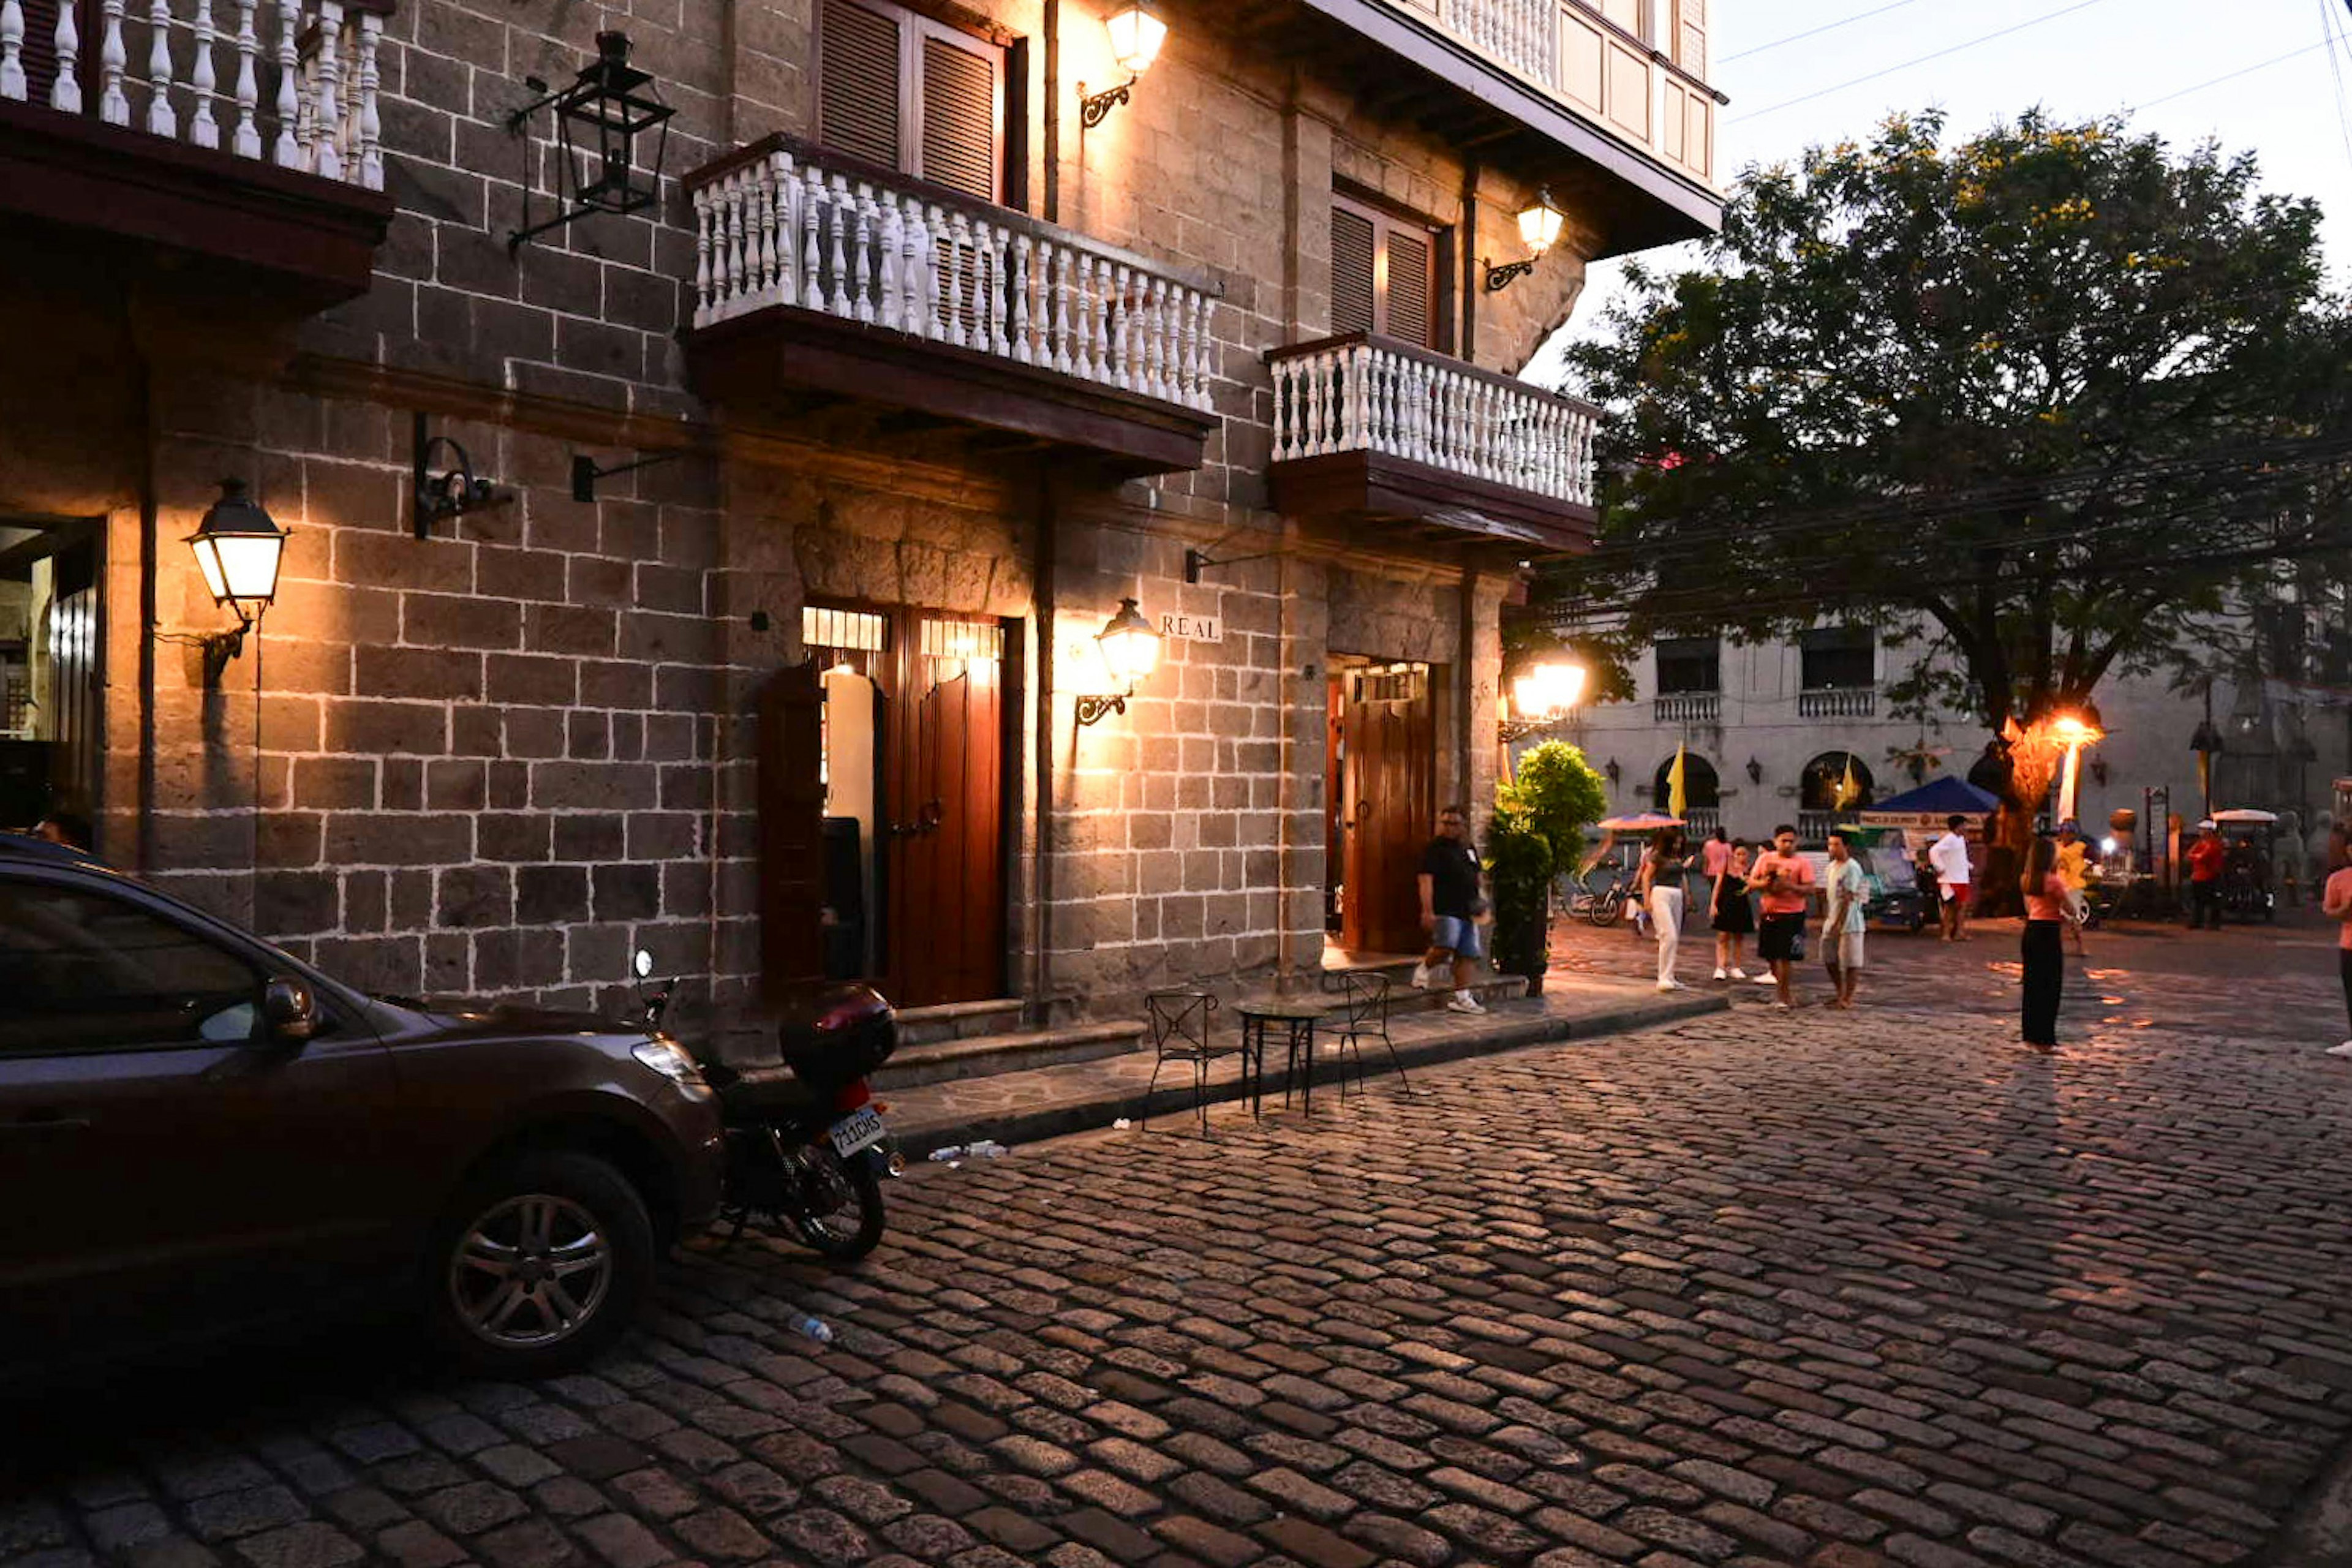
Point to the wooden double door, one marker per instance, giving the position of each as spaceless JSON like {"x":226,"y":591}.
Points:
{"x":1382,"y":787}
{"x":903,"y":757}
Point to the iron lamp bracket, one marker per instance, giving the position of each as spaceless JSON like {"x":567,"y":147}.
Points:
{"x":1092,"y":709}
{"x":1501,"y":278}
{"x":453,"y":493}
{"x":1093,"y":110}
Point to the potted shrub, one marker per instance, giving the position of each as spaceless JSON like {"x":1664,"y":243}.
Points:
{"x":1537,"y":831}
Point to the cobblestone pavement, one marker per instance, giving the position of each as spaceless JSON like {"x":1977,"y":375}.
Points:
{"x":1821,"y":1288}
{"x":2276,"y":981}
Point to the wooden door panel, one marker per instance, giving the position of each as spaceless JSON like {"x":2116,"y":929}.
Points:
{"x":1389,"y":738}
{"x":946,"y":846}
{"x":792,"y":829}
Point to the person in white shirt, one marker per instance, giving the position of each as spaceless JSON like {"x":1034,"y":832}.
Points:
{"x":1949,"y":856}
{"x":1848,"y":892}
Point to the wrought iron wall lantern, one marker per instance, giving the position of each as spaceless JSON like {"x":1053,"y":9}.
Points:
{"x":1540,"y":227}
{"x":1137,"y":31}
{"x":237,"y":546}
{"x":1755,"y":772}
{"x":600,"y":120}
{"x":1130,"y":650}
{"x":455,"y":492}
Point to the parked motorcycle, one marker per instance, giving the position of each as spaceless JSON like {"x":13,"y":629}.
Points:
{"x":807,"y":1149}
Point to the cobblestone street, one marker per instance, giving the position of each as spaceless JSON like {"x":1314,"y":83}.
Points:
{"x":1821,"y":1288}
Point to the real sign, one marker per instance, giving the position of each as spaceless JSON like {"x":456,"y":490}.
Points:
{"x":1191,"y":628}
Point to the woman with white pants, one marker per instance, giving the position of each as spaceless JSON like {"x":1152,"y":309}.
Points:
{"x":1660,"y":887}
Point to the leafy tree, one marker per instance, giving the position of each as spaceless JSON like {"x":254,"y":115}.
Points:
{"x":2039,"y":403}
{"x":1540,"y":815}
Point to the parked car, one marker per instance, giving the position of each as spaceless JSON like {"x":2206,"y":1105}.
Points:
{"x":197,"y":1130}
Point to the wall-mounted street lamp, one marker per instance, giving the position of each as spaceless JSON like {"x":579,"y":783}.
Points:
{"x":1755,"y":772}
{"x":1135,"y":32}
{"x":238,"y":547}
{"x":1541,"y":696}
{"x":1130,"y":650}
{"x":599,"y":166}
{"x":1539,"y":226}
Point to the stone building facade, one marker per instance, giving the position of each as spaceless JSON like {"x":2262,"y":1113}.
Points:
{"x":1769,"y":730}
{"x":492,"y":753}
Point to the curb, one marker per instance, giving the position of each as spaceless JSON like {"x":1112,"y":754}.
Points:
{"x":1083,"y":1112}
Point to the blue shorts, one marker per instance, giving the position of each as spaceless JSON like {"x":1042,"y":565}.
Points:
{"x":1458,"y":935}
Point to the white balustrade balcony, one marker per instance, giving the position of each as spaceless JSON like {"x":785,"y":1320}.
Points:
{"x":292,"y":82}
{"x":825,"y":272}
{"x":229,"y":150}
{"x":1635,"y":70}
{"x":1369,"y":427}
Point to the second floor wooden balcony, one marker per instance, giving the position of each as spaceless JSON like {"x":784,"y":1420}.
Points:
{"x":238,"y":135}
{"x":1369,"y":428}
{"x":819,"y":277}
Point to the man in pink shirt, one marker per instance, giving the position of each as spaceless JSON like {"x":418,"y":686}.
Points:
{"x":1784,"y":887}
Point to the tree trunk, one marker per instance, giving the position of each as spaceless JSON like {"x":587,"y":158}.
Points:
{"x":2036,"y":757}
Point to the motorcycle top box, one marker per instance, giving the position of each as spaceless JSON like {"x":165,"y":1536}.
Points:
{"x":838,"y":1036}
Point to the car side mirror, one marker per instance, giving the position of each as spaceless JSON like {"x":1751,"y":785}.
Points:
{"x":288,"y":1010}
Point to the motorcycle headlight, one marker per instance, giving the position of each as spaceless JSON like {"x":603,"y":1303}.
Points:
{"x":669,"y":1059}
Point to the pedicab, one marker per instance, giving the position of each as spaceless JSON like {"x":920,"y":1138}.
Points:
{"x":2248,"y":839}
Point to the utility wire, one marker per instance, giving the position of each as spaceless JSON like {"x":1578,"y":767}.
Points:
{"x":1816,"y":32}
{"x":2230,"y":75}
{"x":2327,"y":31}
{"x":1923,"y":59}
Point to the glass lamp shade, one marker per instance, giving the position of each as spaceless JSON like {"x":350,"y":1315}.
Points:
{"x":1547,"y":690}
{"x":1540,"y":225}
{"x":2070,"y":731}
{"x":1136,"y":34}
{"x":1130,"y":648}
{"x":237,"y":546}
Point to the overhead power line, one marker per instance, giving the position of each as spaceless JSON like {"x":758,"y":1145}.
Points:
{"x":2230,"y":75}
{"x":1921,"y":60}
{"x":1816,"y":32}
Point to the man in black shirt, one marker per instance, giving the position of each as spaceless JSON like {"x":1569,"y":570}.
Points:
{"x":1450,"y":907}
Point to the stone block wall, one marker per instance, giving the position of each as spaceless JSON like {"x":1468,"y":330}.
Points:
{"x":494,"y":761}
{"x":483,"y":760}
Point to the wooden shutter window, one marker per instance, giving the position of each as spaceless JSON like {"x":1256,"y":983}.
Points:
{"x":1354,"y":284}
{"x":1383,"y":274}
{"x":961,"y":112}
{"x":1412,"y":306}
{"x":860,"y":91}
{"x":900,"y":90}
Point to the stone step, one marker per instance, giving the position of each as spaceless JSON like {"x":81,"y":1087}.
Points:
{"x":983,"y":1055}
{"x":958,"y":1020}
{"x":1022,"y":1107}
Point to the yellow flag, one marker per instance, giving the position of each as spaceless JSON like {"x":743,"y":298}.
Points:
{"x":1678,"y":801}
{"x":1849,"y":787}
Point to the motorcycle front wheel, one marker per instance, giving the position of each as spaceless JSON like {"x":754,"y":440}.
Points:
{"x":843,"y":1218}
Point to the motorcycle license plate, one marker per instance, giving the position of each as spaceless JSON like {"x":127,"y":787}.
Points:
{"x":858,"y":1130}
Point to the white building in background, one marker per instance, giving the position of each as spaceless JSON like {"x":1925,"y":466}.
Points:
{"x":1772,"y":727}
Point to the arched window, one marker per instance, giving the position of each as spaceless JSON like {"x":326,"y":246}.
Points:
{"x":1825,"y":786}
{"x":1701,"y":792}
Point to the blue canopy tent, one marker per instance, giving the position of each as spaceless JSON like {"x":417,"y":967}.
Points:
{"x":1937,"y":798}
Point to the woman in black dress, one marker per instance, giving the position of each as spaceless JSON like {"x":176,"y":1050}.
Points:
{"x":1731,"y":913}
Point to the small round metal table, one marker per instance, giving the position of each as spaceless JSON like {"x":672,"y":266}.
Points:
{"x":1297,"y":1021}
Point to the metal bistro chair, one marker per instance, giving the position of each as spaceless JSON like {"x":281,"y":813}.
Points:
{"x":1366,"y":1017}
{"x":1181,"y":1031}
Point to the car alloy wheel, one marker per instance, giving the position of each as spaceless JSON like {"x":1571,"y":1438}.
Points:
{"x":530,"y":1271}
